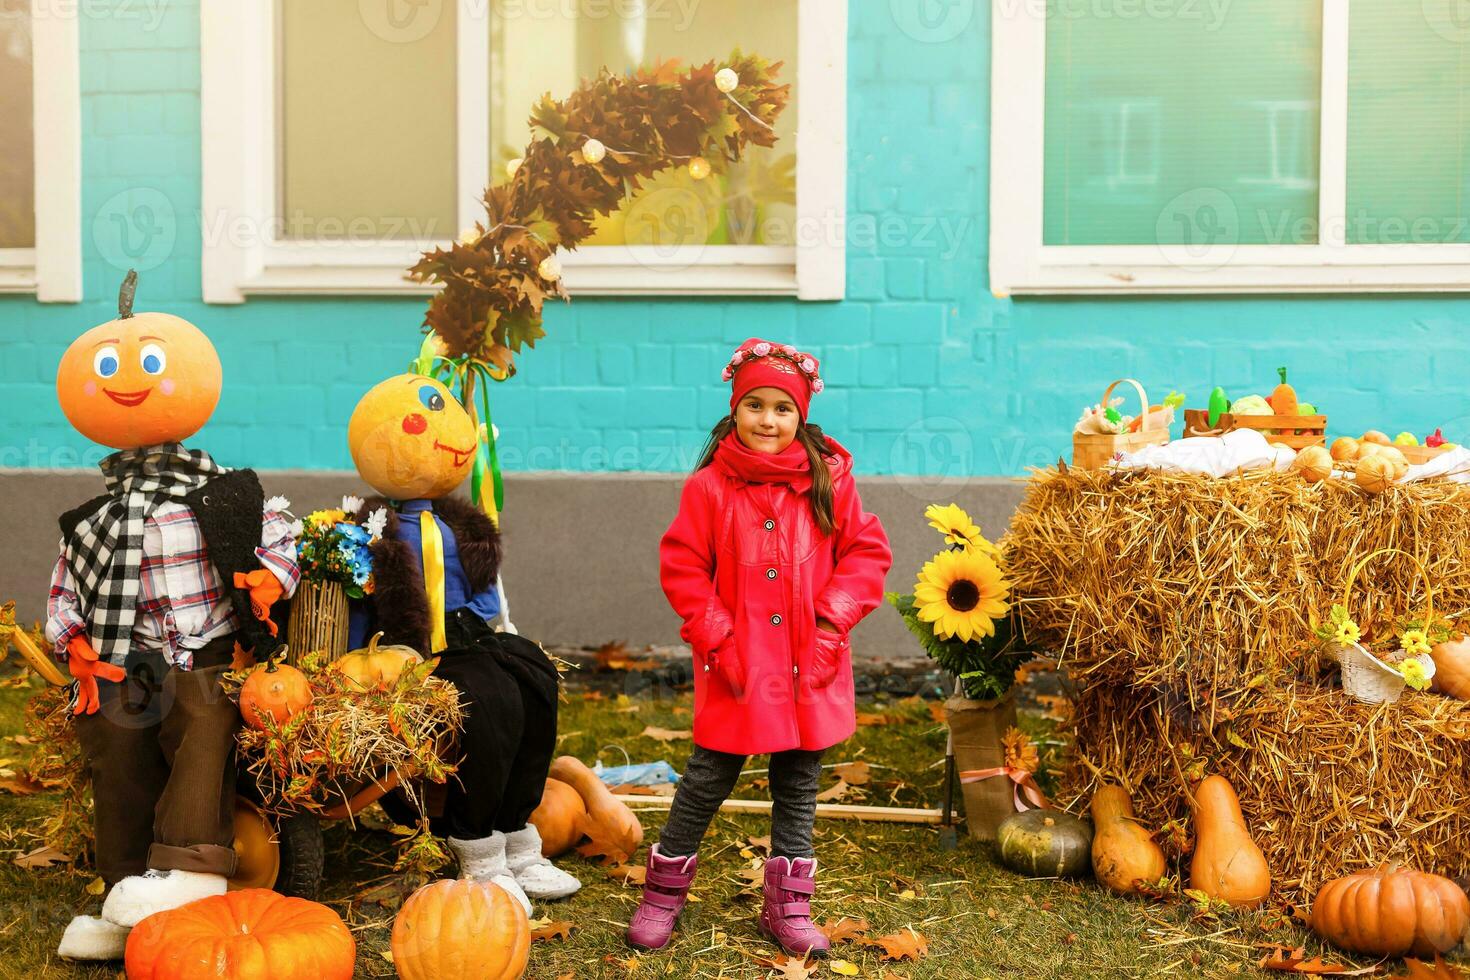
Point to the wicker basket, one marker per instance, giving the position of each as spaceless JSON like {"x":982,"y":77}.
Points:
{"x":318,"y":621}
{"x":1093,"y":451}
{"x":1364,"y":676}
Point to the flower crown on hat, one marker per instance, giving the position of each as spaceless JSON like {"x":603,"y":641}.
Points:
{"x":805,"y":362}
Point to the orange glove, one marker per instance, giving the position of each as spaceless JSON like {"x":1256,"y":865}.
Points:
{"x":82,"y":661}
{"x":265,"y":589}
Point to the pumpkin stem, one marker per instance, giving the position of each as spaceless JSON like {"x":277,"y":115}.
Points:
{"x":125,"y":295}
{"x":372,"y":646}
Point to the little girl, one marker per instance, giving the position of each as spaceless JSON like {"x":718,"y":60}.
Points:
{"x":771,"y":561}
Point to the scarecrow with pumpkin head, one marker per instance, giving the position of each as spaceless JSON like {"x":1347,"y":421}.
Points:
{"x":158,"y":580}
{"x":435,"y":570}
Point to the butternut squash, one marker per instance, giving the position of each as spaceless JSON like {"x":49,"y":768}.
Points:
{"x":1227,"y":864}
{"x":610,"y":824}
{"x":560,"y":818}
{"x":1123,"y":853}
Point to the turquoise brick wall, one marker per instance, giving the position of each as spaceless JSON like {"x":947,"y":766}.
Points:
{"x":928,"y":373}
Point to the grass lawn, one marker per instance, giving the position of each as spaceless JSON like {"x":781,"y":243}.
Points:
{"x":978,"y":919}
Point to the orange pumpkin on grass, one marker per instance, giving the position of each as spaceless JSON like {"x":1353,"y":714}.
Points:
{"x":139,"y":380}
{"x":1392,"y":911}
{"x":252,"y":934}
{"x":276,"y":691}
{"x":1227,"y":864}
{"x":458,"y":927}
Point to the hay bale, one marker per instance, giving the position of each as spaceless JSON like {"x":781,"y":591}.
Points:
{"x":1328,"y":786}
{"x":1157,"y":581}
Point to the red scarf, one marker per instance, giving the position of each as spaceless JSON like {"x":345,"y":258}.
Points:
{"x":789,"y":466}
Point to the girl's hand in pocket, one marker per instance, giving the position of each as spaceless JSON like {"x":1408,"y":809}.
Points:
{"x":828,"y":647}
{"x":730,"y":666}
{"x":826,"y":624}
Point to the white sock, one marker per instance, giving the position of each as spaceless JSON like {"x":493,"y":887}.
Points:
{"x":536,"y":875}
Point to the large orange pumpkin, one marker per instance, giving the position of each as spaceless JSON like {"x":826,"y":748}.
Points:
{"x":1392,"y":911}
{"x":1452,"y":668}
{"x":410,"y":439}
{"x":560,"y":818}
{"x":139,"y":380}
{"x":458,"y":928}
{"x":254,"y":934}
{"x":276,"y":691}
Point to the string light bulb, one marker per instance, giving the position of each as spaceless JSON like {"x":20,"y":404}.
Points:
{"x":726,"y":80}
{"x":512,"y":165}
{"x":550,"y":268}
{"x":699,"y":168}
{"x":593,"y":151}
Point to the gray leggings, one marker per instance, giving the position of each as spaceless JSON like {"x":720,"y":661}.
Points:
{"x":707,"y":782}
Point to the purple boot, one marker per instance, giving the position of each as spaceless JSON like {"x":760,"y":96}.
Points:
{"x":786,"y":914}
{"x":665,"y":890}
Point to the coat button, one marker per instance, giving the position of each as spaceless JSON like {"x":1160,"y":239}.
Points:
{"x":776,"y":620}
{"x":770,"y":573}
{"x":795,"y":669}
{"x":770,"y":525}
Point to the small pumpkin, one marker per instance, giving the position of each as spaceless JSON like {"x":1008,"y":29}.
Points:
{"x":1396,"y":456}
{"x":1375,"y":473}
{"x":560,"y":818}
{"x":1227,"y":864}
{"x":1373,"y":435}
{"x":273,"y":690}
{"x":457,"y":928}
{"x":1314,"y":464}
{"x":609,"y":821}
{"x":242,"y":934}
{"x":1452,"y":668}
{"x":1045,"y":844}
{"x":1124,"y":854}
{"x":375,"y":668}
{"x":1392,"y":911}
{"x":1344,"y":448}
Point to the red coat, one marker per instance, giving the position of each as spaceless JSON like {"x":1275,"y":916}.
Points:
{"x":743,"y":558}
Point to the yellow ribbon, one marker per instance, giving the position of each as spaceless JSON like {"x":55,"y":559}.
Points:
{"x":433,"y":548}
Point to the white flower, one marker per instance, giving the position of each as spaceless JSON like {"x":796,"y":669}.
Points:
{"x":376,"y":522}
{"x":762,"y":349}
{"x":352,"y":504}
{"x":817,"y":385}
{"x":809,"y":366}
{"x":297,"y":529}
{"x":278,"y":504}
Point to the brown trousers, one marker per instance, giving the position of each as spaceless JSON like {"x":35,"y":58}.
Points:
{"x":161,"y":753}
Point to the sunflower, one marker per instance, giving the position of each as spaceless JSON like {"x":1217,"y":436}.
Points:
{"x":962,"y":593}
{"x":958,"y":528}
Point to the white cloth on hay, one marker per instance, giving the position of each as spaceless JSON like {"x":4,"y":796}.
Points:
{"x":1452,"y":465}
{"x":1234,"y":452}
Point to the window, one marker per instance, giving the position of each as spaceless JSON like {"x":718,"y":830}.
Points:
{"x":1249,"y":146}
{"x":40,"y":170}
{"x":343,"y":137}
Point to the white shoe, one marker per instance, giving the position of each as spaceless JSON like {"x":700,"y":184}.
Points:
{"x":484,"y":860}
{"x":89,"y":938}
{"x":538,"y":877}
{"x":136,"y":898}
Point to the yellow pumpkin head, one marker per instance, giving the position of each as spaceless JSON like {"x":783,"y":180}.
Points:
{"x":410,"y":439}
{"x":140,"y":380}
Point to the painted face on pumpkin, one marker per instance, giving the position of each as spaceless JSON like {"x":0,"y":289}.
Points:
{"x":409,"y":438}
{"x":139,"y":380}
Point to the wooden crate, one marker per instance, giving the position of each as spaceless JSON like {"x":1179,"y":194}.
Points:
{"x":1296,"y":431}
{"x":1093,"y":451}
{"x":1421,"y":454}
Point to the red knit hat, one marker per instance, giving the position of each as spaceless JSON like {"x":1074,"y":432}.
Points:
{"x":761,"y":364}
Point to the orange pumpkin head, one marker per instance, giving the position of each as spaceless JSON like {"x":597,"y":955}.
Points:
{"x":140,"y":380}
{"x":410,"y":439}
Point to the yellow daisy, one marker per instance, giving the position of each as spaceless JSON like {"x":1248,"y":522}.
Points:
{"x":958,"y":528}
{"x":962,"y":593}
{"x":1415,"y":642}
{"x":1347,"y":632}
{"x":1414,"y":675}
{"x":325,"y":518}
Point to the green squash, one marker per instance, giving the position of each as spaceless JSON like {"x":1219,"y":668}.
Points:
{"x":1045,"y":844}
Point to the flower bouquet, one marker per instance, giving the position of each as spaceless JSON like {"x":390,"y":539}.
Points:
{"x":1377,"y":669}
{"x":334,"y":554}
{"x":961,"y":614}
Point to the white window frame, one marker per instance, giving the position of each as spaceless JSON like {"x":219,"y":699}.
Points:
{"x":241,"y":258}
{"x":1020,"y":264}
{"x":52,"y":270}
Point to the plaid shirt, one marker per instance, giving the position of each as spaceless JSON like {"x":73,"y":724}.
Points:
{"x":182,"y":604}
